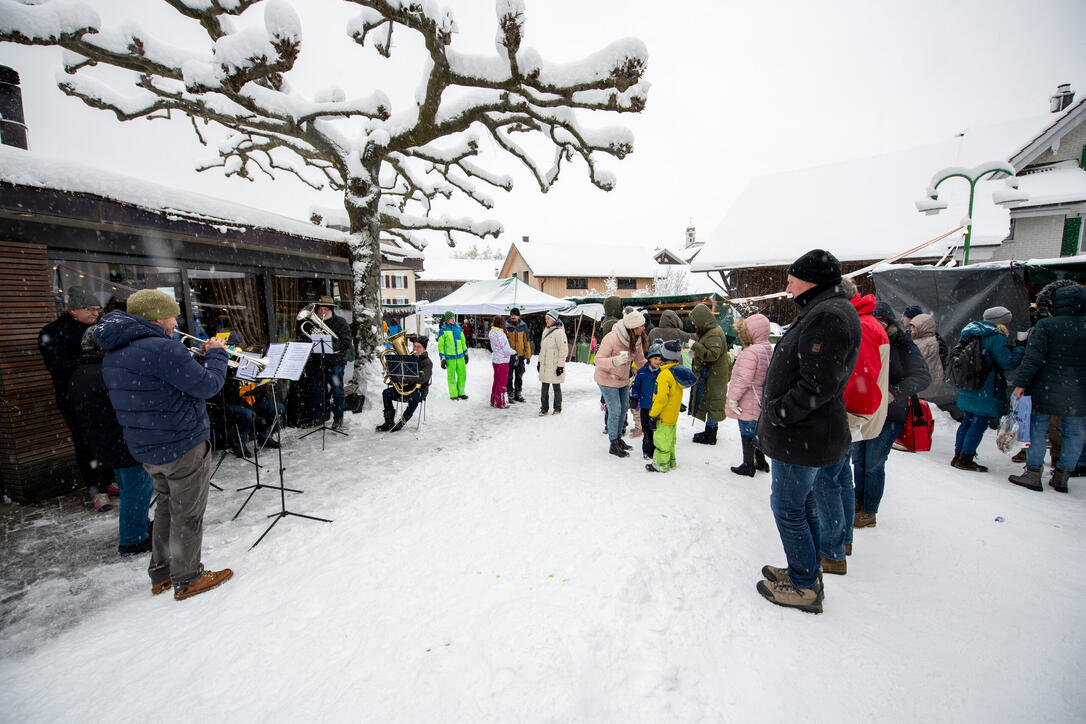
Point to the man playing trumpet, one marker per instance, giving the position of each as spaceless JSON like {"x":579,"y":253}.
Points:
{"x":158,"y":391}
{"x":422,"y":387}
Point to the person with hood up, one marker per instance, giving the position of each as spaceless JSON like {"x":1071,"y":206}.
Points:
{"x":979,"y":407}
{"x":612,"y":313}
{"x":671,"y":384}
{"x":89,"y":397}
{"x":671,"y":327}
{"x":923,"y":332}
{"x":1053,"y":373}
{"x":642,"y":390}
{"x":158,"y":391}
{"x":908,"y":374}
{"x":712,"y":366}
{"x":452,"y":350}
{"x":746,"y":387}
{"x":551,"y":365}
{"x":804,"y":426}
{"x":620,"y":348}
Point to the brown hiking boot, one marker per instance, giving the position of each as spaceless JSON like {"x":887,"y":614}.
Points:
{"x":1029,"y":479}
{"x":1020,"y":456}
{"x":967,"y":462}
{"x":837,"y":568}
{"x":864,"y":520}
{"x":785,"y":594}
{"x":957,"y":454}
{"x":206,"y":581}
{"x":1059,"y":480}
{"x":848,"y":549}
{"x":157,"y":588}
{"x":780,"y":575}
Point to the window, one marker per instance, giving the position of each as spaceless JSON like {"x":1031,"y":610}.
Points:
{"x":395,"y":281}
{"x":524,"y":276}
{"x":113,"y":284}
{"x":627,"y":284}
{"x":576,"y":283}
{"x":229,"y":301}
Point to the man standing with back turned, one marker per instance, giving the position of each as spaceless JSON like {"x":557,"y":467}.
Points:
{"x":158,"y":392}
{"x":803,"y":426}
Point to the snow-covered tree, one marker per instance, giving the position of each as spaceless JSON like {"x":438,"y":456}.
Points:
{"x":394,"y":166}
{"x":672,"y":282}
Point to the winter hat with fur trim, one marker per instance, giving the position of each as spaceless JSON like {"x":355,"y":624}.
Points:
{"x":152,"y":305}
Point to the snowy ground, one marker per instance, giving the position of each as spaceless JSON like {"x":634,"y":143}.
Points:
{"x":497,"y":566}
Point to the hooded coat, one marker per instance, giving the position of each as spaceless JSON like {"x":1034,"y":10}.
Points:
{"x":867,"y":392}
{"x":553,"y":350}
{"x":670,"y":327}
{"x":908,"y":373}
{"x":89,"y":397}
{"x":803,"y":418}
{"x":157,"y":388}
{"x":1053,"y":369}
{"x":612,"y":312}
{"x":991,"y":399}
{"x":711,"y":365}
{"x":748,"y":374}
{"x":928,"y":344}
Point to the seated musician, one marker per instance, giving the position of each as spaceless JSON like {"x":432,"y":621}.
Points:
{"x":250,"y":407}
{"x":391,"y":394}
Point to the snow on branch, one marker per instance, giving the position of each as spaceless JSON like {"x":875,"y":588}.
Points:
{"x":45,"y":24}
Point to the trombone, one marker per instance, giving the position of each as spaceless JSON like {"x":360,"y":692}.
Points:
{"x":237,"y":356}
{"x":311,"y":322}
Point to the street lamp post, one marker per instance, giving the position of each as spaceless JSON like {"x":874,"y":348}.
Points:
{"x":1005,"y":197}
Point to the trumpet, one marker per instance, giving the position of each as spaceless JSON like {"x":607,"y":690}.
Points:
{"x":311,"y":322}
{"x":237,"y":356}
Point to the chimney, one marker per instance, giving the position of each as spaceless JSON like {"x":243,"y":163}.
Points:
{"x":1063,"y":98}
{"x":524,"y":240}
{"x":12,"y":127}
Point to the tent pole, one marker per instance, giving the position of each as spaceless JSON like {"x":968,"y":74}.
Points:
{"x":573,"y":349}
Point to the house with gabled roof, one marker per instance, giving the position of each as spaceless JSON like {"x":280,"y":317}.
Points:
{"x":565,"y":270}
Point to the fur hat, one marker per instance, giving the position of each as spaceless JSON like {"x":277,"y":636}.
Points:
{"x":997,"y":315}
{"x":913,"y":310}
{"x":817,"y":266}
{"x":633,"y":319}
{"x":672,"y":350}
{"x":152,"y":305}
{"x":79,"y":298}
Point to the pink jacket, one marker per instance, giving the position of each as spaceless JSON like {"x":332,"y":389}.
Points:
{"x":748,"y":374}
{"x":614,"y":342}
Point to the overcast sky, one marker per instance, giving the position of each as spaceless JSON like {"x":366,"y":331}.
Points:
{"x":738,"y":90}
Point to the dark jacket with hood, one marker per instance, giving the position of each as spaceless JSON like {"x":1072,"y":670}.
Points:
{"x":908,"y":370}
{"x":803,"y":418}
{"x":670,"y":327}
{"x":612,"y":312}
{"x":89,"y":398}
{"x":60,"y":344}
{"x":711,"y":364}
{"x":1053,"y":370}
{"x":156,"y":386}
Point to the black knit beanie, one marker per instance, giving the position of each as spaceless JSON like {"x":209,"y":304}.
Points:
{"x":817,"y":266}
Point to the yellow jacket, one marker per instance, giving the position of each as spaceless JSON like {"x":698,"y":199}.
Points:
{"x":669,"y":396}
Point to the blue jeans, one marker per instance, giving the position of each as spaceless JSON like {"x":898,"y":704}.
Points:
{"x":1070,"y":428}
{"x":836,"y":508}
{"x":792,"y":501}
{"x":617,"y":400}
{"x":136,"y":487}
{"x":747,"y":428}
{"x":333,"y":375}
{"x":970,"y":431}
{"x":869,"y":466}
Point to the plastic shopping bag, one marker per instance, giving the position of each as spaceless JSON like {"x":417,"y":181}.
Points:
{"x":1008,"y":430}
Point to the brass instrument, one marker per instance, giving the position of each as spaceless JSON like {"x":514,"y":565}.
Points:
{"x":398,"y":342}
{"x":311,"y":322}
{"x":236,"y":354}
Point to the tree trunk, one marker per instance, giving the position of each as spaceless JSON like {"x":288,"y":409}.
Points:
{"x":364,"y":254}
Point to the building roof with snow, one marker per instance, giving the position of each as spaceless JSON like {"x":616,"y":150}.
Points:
{"x":458,"y":270}
{"x":584,"y":260}
{"x":865,"y":208}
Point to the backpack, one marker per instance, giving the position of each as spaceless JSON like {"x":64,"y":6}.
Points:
{"x":966,"y":365}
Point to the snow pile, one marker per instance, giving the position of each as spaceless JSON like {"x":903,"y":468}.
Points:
{"x":497,"y":566}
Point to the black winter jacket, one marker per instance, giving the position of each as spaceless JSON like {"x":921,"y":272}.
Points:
{"x":89,"y":397}
{"x":803,"y":418}
{"x":1053,"y":370}
{"x":60,"y":343}
{"x":909,"y":373}
{"x":340,"y":344}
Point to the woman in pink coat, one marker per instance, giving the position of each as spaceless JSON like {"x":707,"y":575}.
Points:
{"x":620,"y":347}
{"x":745,"y":388}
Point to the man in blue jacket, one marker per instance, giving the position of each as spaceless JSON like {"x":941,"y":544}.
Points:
{"x":158,"y":391}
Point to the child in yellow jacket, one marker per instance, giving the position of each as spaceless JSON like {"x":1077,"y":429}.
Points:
{"x":667,"y":403}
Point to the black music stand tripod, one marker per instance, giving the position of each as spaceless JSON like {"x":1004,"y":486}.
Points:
{"x":256,"y":459}
{"x":325,"y":347}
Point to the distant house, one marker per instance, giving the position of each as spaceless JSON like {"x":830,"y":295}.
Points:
{"x":563,"y":270}
{"x":441,"y":277}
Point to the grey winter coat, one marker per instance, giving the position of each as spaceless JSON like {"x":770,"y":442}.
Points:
{"x":928,"y":344}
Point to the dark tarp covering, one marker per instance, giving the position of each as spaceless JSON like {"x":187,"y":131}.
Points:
{"x":955,"y":296}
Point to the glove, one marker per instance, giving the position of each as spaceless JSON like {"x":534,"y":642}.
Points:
{"x":735,"y":407}
{"x":537,"y":367}
{"x":559,"y":371}
{"x":621,"y":359}
{"x":466,"y":359}
{"x":443,"y":364}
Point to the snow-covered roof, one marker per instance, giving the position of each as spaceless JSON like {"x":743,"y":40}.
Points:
{"x":586,"y":260}
{"x":24,"y":168}
{"x":1058,"y":184}
{"x":495,"y":296}
{"x":459,"y":270}
{"x":864,"y":209}
{"x":1050,"y":136}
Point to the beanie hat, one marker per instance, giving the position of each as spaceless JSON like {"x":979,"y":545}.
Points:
{"x":449,"y":316}
{"x":997,"y":315}
{"x":424,"y":341}
{"x":673,"y":350}
{"x":514,"y":310}
{"x":90,"y":344}
{"x":817,"y":267}
{"x":633,"y":319}
{"x":78,"y":298}
{"x":656,"y":349}
{"x":912,"y":311}
{"x":884,"y":312}
{"x":151,"y":304}
{"x":553,"y":314}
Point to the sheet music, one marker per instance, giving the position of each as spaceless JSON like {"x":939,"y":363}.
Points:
{"x":286,"y":361}
{"x":248,"y":371}
{"x":322,"y":343}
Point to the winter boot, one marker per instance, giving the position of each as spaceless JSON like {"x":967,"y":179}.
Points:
{"x":864,"y":520}
{"x":760,"y":463}
{"x":399,"y":425}
{"x":706,"y":436}
{"x":1059,"y":480}
{"x":625,"y":445}
{"x":617,"y":450}
{"x":157,"y":588}
{"x":1030,"y":478}
{"x":747,"y":467}
{"x":1078,"y":472}
{"x":785,"y":594}
{"x":954,"y":460}
{"x":848,"y":549}
{"x":1020,"y":456}
{"x":838,"y":568}
{"x":965,"y":461}
{"x":203,"y":584}
{"x":387,"y":425}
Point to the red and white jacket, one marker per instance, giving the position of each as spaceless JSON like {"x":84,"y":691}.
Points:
{"x":866,"y":394}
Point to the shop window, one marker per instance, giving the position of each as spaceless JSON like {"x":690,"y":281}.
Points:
{"x":229,"y":302}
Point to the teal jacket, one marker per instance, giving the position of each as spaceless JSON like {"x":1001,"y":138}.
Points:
{"x":992,"y":398}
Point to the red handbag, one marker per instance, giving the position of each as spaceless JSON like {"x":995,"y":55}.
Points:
{"x":919,"y":426}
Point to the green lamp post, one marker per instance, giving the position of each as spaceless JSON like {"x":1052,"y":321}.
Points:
{"x":1006,"y":197}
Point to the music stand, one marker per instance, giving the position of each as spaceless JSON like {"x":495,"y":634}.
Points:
{"x":256,"y":458}
{"x":322,"y":345}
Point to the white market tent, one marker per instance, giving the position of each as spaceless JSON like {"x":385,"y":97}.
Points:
{"x":495,"y":296}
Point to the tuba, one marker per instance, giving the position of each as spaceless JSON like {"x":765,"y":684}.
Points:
{"x":398,"y":342}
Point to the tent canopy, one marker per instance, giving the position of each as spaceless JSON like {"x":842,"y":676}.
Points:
{"x":495,"y":296}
